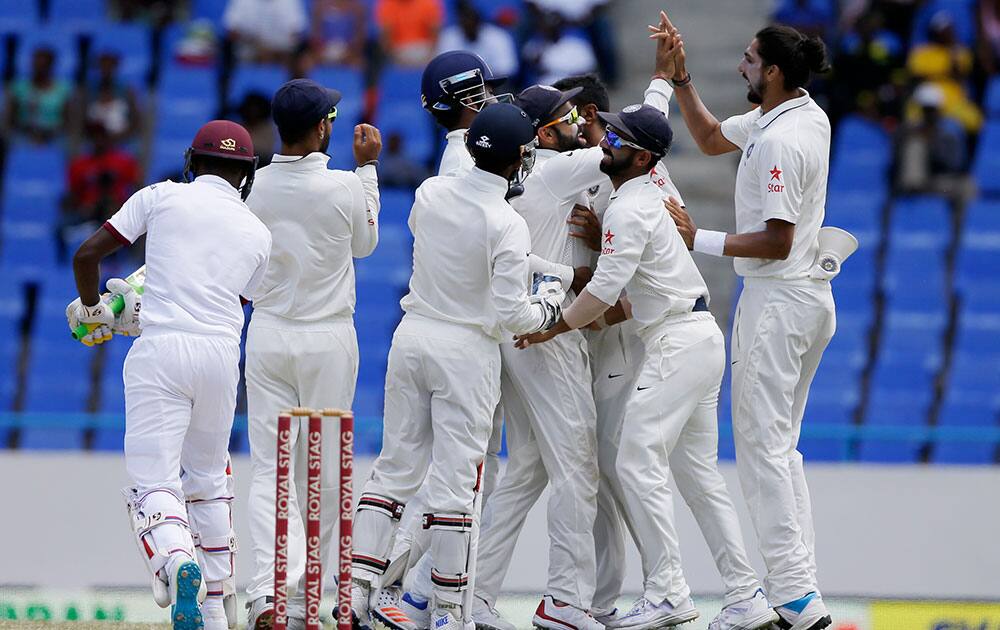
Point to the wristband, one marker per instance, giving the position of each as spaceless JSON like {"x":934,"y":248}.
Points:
{"x":369,"y":163}
{"x":710,"y":242}
{"x":683,"y":81}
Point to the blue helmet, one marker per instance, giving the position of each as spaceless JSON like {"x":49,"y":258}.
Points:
{"x":455,"y":79}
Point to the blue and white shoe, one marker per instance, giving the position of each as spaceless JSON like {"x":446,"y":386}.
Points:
{"x":416,"y":608}
{"x":805,"y":613}
{"x":645,"y":615}
{"x":185,"y":612}
{"x":749,"y":614}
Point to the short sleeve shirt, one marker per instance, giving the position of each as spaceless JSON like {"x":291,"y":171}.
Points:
{"x":204,"y":250}
{"x":782,"y":175}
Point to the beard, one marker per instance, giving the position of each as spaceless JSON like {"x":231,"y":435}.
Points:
{"x":324,"y":144}
{"x":567,"y":142}
{"x":755,"y":93}
{"x":612,"y":165}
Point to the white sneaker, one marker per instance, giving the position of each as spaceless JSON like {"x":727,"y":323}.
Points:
{"x":185,"y":587}
{"x":805,"y":613}
{"x":553,"y":615}
{"x":606,"y":618}
{"x":487,"y":618}
{"x":645,"y":615}
{"x":385,"y":612}
{"x":748,"y":614}
{"x":445,"y":620}
{"x":417,"y":609}
{"x":260,"y":613}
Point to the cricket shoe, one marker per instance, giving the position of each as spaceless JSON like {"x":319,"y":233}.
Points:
{"x":608,"y":618}
{"x":260,"y":613}
{"x":385,"y":612}
{"x":748,"y":614}
{"x":487,"y":618}
{"x":417,"y":609}
{"x":805,"y":613}
{"x":161,"y":590}
{"x":552,"y":614}
{"x":185,"y":611}
{"x":445,"y":620}
{"x":645,"y":615}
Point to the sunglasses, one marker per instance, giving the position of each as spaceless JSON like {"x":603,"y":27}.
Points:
{"x":616,"y":142}
{"x":332,"y":116}
{"x":572,"y":117}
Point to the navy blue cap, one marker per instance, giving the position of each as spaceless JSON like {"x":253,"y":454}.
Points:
{"x":644,"y":125}
{"x":301,"y":103}
{"x":450,"y":73}
{"x":540,"y":102}
{"x":498,"y":133}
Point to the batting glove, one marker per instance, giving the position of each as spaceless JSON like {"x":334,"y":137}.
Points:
{"x":127,"y":322}
{"x":547,"y":292}
{"x":98,"y":319}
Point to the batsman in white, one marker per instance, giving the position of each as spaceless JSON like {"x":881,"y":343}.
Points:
{"x":301,"y":346}
{"x":469,"y":285}
{"x":616,"y":353}
{"x":204,"y":251}
{"x":785,"y":316}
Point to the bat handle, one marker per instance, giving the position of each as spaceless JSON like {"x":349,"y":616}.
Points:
{"x":117,"y":304}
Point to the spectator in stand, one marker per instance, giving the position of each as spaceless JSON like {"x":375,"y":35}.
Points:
{"x":339,"y":28}
{"x":110,"y":103}
{"x":947,"y":63}
{"x":398,"y":169}
{"x":409,"y":29}
{"x":591,"y":16}
{"x":255,"y":116}
{"x":930,"y":149}
{"x":37,"y":106}
{"x":198,"y":45}
{"x":555,"y":52}
{"x":156,"y":12}
{"x":265,"y":31}
{"x":489,"y":41}
{"x":868,"y":68}
{"x":989,"y":36}
{"x":100,"y":181}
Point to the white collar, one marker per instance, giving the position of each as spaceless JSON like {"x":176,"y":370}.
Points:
{"x":487,"y":182}
{"x":217,"y":182}
{"x":635,"y":182}
{"x":790,"y":104}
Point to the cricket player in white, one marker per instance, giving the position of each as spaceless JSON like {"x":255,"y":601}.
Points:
{"x":301,"y":346}
{"x":204,"y":251}
{"x":616,"y":353}
{"x":469,"y":285}
{"x":785,"y":316}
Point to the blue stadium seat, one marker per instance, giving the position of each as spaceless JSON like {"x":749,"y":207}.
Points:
{"x":975,"y":269}
{"x":901,"y":328}
{"x":18,"y":17}
{"x":348,"y":81}
{"x":239,"y":439}
{"x":965,"y":416}
{"x":863,"y":142}
{"x":189,"y":82}
{"x":109,"y":432}
{"x":978,"y":334}
{"x":179,"y":118}
{"x":921,"y":222}
{"x":10,"y":353}
{"x":961,"y":12}
{"x":209,"y":9}
{"x":262,"y":78}
{"x":410,"y":121}
{"x":28,"y":249}
{"x":903,"y":414}
{"x":834,"y":386}
{"x":133,"y":43}
{"x":973,"y":373}
{"x":396,"y":205}
{"x":367,"y":434}
{"x":167,"y":158}
{"x":89,"y":15}
{"x":398,"y":83}
{"x":7,"y":424}
{"x":61,"y":39}
{"x":32,"y":201}
{"x":858,"y":211}
{"x":26,"y":162}
{"x":991,"y":102}
{"x":53,"y":431}
{"x":986,"y":163}
{"x":59,"y":374}
{"x":820,"y":424}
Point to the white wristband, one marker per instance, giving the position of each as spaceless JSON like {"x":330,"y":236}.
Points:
{"x":710,"y":242}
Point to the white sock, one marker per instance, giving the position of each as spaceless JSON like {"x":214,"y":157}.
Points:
{"x":214,"y":614}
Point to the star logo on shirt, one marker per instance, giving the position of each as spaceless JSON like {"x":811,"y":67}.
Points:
{"x":608,"y":236}
{"x":776,"y":173}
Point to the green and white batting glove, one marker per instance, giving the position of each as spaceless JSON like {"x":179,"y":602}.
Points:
{"x":97,"y":318}
{"x":127,"y":321}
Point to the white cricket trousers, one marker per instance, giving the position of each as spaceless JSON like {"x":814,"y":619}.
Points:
{"x":292,"y":364}
{"x":180,"y":397}
{"x":678,"y":384}
{"x":441,"y":389}
{"x":779,"y":334}
{"x":617,"y":355}
{"x":550,"y":419}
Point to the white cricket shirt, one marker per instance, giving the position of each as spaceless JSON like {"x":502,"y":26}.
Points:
{"x":456,"y":159}
{"x":782,"y":175}
{"x":470,"y":256}
{"x":644,"y":254}
{"x":204,"y":249}
{"x":320,"y":220}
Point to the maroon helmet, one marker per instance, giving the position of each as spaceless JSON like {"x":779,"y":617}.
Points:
{"x":226,"y":140}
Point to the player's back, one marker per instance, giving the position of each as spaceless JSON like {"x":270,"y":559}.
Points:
{"x":456,"y":224}
{"x":313,"y":215}
{"x":203,"y":247}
